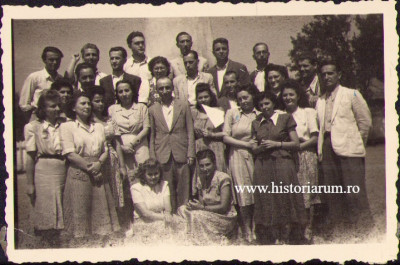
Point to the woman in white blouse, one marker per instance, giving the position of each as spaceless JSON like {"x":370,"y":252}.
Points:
{"x":89,"y":210}
{"x":296,"y":103}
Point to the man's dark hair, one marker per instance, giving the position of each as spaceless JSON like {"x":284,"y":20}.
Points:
{"x":133,"y":35}
{"x":330,"y":62}
{"x":307,"y":56}
{"x":82,"y":66}
{"x":90,"y":46}
{"x":194,"y":53}
{"x":258,"y":44}
{"x":51,"y":49}
{"x":220,"y":40}
{"x":182,"y":34}
{"x":119,"y":49}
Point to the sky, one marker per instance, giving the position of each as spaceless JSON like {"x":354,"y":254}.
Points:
{"x":31,"y":36}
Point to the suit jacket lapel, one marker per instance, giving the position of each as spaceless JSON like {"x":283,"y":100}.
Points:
{"x":185,"y":87}
{"x":177,"y":110}
{"x":109,"y":82}
{"x":337,"y":102}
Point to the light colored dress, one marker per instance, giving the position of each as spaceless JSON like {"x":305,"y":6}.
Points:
{"x":88,"y":205}
{"x":130,"y":122}
{"x":202,"y":122}
{"x":205,"y":227}
{"x":49,"y":175}
{"x":155,"y":199}
{"x":241,"y":164}
{"x":306,"y":120}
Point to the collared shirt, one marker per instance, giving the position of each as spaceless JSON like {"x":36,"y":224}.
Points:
{"x":313,"y":88}
{"x":77,"y":138}
{"x":220,"y":74}
{"x":306,"y":120}
{"x":238,"y":124}
{"x":42,"y":137}
{"x":273,"y":118}
{"x":330,"y":100}
{"x":99,"y":75}
{"x":168,"y":112}
{"x":140,"y":69}
{"x":33,"y":88}
{"x":191,"y":87}
{"x":129,"y":121}
{"x":259,"y":81}
{"x":116,"y":79}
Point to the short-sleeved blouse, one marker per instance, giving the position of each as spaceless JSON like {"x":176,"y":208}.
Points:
{"x":43,"y":138}
{"x":276,"y":128}
{"x":153,"y":198}
{"x":130,"y":121}
{"x":75,"y":137}
{"x":306,"y":120}
{"x":238,"y":124}
{"x":212,"y":195}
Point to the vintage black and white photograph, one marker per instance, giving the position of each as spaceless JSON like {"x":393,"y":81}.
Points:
{"x":222,"y":130}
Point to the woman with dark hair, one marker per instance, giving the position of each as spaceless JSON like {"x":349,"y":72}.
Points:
{"x":89,"y":207}
{"x":45,"y":168}
{"x":65,"y":89}
{"x":276,"y":215}
{"x":114,"y":169}
{"x":158,"y":67}
{"x":237,"y":134}
{"x":274,"y":77}
{"x":211,"y":218}
{"x":207,"y":136}
{"x":132,"y":127}
{"x":296,"y":103}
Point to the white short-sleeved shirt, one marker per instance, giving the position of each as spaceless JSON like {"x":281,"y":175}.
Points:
{"x":89,"y":142}
{"x":153,"y":198}
{"x":306,"y":120}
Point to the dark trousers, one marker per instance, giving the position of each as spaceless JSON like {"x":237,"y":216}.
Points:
{"x":178,"y":177}
{"x":349,"y":209}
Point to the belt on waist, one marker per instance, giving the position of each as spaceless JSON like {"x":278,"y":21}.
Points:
{"x":59,"y":157}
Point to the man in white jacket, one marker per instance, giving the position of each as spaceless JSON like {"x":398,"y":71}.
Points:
{"x":344,"y":120}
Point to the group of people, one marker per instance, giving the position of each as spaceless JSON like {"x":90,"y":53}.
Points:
{"x":140,"y":147}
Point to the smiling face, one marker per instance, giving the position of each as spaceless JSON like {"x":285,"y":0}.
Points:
{"x":230,"y":84}
{"x":138,"y":46}
{"x":91,"y":56}
{"x":290,"y":98}
{"x":98,"y":103}
{"x":165,"y":88}
{"x":83,"y":108}
{"x":184,"y":44}
{"x":221,"y":51}
{"x":275,"y":79}
{"x":207,"y":167}
{"x":152,"y":176}
{"x":87,"y":78}
{"x":307,"y":69}
{"x":65,"y":94}
{"x":245,"y":100}
{"x":125,"y":94}
{"x":52,"y":61}
{"x":117,"y":60}
{"x":204,"y":98}
{"x":159,"y":70}
{"x":266,"y":106}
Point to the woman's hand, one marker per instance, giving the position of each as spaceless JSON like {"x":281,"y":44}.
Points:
{"x":253,"y":144}
{"x":198,"y":133}
{"x":94,"y":168}
{"x":268,"y":144}
{"x":194,"y":205}
{"x":134,"y":142}
{"x":127,"y":149}
{"x":207,"y":134}
{"x":98,"y":177}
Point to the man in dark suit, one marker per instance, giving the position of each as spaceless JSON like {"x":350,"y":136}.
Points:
{"x":261,"y":56}
{"x":224,"y":64}
{"x":118,"y":57}
{"x":172,"y":141}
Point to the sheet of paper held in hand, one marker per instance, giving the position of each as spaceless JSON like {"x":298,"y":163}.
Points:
{"x":323,"y":28}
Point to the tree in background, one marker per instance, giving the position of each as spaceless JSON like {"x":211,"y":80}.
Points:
{"x":328,"y":36}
